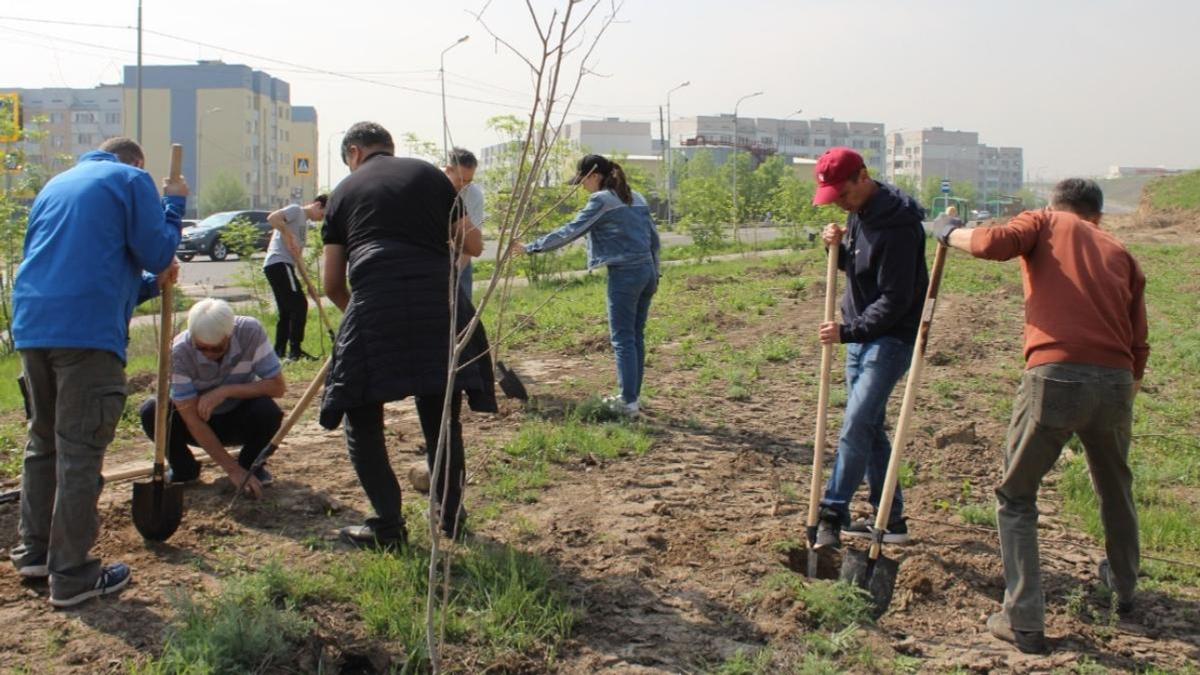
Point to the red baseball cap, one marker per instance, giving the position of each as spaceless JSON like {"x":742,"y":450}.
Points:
{"x":835,"y":167}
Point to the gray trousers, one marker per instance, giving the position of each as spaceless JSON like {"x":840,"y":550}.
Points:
{"x":1054,"y":402}
{"x":76,"y":397}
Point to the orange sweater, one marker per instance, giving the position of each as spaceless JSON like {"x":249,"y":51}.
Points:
{"x":1084,"y":292}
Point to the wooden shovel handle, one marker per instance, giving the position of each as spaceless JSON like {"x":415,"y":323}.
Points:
{"x":910,"y":396}
{"x":298,"y":410}
{"x":814,"y":489}
{"x":312,"y":292}
{"x":165,"y":338}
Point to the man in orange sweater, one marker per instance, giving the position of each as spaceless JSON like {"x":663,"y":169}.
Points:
{"x":1085,"y":353}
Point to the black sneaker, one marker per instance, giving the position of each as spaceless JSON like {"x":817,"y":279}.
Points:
{"x":112,"y":579}
{"x":829,"y":531}
{"x":896,"y":533}
{"x":1027,"y":641}
{"x":300,"y":355}
{"x":366,"y":537}
{"x":1124,"y":607}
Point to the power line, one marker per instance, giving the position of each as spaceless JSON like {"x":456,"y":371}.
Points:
{"x":356,"y":76}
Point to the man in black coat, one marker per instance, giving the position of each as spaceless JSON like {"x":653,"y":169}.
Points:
{"x":393,"y":230}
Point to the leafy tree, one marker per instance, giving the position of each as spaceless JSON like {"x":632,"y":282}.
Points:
{"x":550,"y":207}
{"x":791,"y":203}
{"x":224,"y":193}
{"x":705,"y":202}
{"x":421,"y":148}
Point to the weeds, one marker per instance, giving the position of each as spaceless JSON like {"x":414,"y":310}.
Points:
{"x":244,"y":629}
{"x":827,"y":605}
{"x":978,"y":514}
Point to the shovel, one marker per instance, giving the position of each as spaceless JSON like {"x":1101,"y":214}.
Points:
{"x":158,"y":507}
{"x":312,"y":293}
{"x":277,"y":440}
{"x":814,"y":490}
{"x":872,"y":570}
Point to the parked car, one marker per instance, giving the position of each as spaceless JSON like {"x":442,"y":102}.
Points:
{"x":205,"y":237}
{"x":980,"y":214}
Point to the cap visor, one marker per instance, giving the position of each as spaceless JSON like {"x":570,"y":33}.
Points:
{"x":826,"y":194}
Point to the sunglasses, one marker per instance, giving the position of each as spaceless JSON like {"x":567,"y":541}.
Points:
{"x":217,"y":349}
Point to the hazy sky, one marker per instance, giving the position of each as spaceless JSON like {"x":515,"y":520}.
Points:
{"x":1080,"y":84}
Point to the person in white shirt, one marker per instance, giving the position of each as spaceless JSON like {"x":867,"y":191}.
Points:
{"x":284,"y":252}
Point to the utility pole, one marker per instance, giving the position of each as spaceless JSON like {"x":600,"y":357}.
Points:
{"x":139,"y":74}
{"x":671,"y":155}
{"x":662,"y":132}
{"x":736,"y":220}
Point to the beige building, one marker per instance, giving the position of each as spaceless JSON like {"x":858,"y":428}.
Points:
{"x":71,"y":122}
{"x":957,"y":155}
{"x":232,"y":121}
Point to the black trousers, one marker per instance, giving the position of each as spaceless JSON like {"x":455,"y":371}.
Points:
{"x":293,"y":307}
{"x":368,"y":454}
{"x":251,"y":424}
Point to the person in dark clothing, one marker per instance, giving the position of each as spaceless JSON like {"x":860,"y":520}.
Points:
{"x":284,"y":253}
{"x":393,"y":231}
{"x":882,"y":250}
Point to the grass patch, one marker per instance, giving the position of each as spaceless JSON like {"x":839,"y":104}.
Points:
{"x":252,"y":623}
{"x":1165,"y":453}
{"x":1174,"y":192}
{"x":827,"y":605}
{"x":525,"y":465}
{"x":502,"y":602}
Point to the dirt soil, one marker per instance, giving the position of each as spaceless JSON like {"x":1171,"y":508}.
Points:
{"x":661,"y":553}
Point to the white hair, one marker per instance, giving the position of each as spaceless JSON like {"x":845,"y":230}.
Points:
{"x":210,"y":321}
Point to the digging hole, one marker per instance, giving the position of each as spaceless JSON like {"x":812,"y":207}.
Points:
{"x":829,"y":562}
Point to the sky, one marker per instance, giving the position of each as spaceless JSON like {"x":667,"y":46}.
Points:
{"x":1079,"y":84}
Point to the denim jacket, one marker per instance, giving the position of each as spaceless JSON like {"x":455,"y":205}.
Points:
{"x":617,"y":233}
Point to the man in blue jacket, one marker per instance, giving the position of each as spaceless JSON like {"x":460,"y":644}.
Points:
{"x":97,"y":235}
{"x":883,"y":254}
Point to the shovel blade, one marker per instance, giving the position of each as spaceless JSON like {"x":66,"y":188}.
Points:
{"x":510,"y":384}
{"x":157,"y":509}
{"x":877,"y":577}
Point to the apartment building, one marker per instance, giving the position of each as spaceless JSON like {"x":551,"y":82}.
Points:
{"x":764,"y":136}
{"x":232,"y":120}
{"x":72,"y":122}
{"x":956,"y":155}
{"x":610,"y":136}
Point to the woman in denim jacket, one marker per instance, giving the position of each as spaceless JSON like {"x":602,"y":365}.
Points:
{"x":620,"y":235}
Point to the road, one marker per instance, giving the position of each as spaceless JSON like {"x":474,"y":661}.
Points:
{"x":202,"y":276}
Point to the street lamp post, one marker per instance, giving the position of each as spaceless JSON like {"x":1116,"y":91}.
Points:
{"x":734,"y":156}
{"x":670,"y":155}
{"x":442,"y":77}
{"x":329,"y":159}
{"x":200,"y":150}
{"x":779,"y":131}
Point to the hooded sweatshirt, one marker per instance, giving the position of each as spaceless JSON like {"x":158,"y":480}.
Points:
{"x":883,"y":254}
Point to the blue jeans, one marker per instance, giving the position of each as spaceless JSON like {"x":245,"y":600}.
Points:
{"x":872,"y":371}
{"x":630,"y":289}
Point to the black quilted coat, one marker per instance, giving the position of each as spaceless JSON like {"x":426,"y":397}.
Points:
{"x":392,"y":215}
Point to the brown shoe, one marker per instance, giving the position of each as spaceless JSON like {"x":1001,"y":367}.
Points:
{"x":1028,"y":641}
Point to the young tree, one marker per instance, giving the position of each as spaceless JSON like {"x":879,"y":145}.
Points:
{"x":224,"y":193}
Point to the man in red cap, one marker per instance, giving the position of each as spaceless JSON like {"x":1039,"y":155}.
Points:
{"x":882,"y":250}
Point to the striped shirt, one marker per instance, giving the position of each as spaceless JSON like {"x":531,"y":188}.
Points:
{"x":250,"y":357}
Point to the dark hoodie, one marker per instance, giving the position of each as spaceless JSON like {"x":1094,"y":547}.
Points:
{"x":883,"y":254}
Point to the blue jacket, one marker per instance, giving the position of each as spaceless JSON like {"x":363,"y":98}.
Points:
{"x":94,"y":233}
{"x":883,"y":254}
{"x":617,"y":233}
